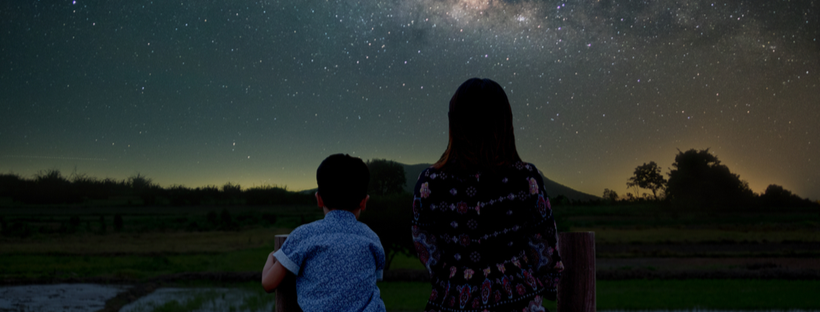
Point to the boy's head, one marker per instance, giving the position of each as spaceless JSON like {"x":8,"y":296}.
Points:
{"x":342,"y":181}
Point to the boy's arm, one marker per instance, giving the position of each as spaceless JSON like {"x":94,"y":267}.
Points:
{"x":272,"y":273}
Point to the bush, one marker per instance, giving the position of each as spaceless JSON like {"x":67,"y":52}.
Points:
{"x":193,"y":226}
{"x":270,"y":218}
{"x":226,"y":222}
{"x":212,"y":219}
{"x":19,"y":229}
{"x":389,"y":216}
{"x":72,"y":226}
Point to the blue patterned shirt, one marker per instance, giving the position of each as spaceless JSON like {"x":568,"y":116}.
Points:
{"x":337,"y":262}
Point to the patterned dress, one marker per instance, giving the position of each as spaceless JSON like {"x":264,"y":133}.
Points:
{"x":488,"y":239}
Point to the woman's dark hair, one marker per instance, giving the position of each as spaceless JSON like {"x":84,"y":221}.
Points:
{"x":481,"y":128}
{"x":342,"y":181}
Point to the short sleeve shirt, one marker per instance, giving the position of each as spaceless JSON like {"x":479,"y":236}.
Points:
{"x":337,"y":261}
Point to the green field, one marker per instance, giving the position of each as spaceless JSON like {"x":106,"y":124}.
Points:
{"x":747,"y":295}
{"x":44,"y":243}
{"x":658,"y":295}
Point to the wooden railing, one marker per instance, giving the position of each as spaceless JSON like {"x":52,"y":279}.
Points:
{"x":576,"y":291}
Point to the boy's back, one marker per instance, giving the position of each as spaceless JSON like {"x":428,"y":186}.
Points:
{"x":337,"y":261}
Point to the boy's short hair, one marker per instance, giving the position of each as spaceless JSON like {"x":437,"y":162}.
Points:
{"x":342,"y":181}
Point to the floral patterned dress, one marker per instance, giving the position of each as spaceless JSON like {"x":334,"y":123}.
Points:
{"x":488,"y":239}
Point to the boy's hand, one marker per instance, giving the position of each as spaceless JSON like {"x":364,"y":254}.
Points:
{"x":272,"y":273}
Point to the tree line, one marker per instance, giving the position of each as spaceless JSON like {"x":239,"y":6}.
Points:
{"x":51,"y":187}
{"x":698,"y":179}
{"x":387,"y":211}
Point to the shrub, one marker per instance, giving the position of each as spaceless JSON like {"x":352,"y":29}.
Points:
{"x":389,"y":216}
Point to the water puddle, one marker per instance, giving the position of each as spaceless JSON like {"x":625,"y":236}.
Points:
{"x":202,"y":300}
{"x":57,"y":297}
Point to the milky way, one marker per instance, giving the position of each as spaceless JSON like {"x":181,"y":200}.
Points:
{"x":197,"y":93}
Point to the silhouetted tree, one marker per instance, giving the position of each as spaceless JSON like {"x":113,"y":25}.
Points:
{"x":389,"y":217}
{"x":648,"y":176}
{"x":139,"y":182}
{"x":231,"y":192}
{"x":776,"y":195}
{"x":145,"y":188}
{"x":231,"y":188}
{"x":386,"y":177}
{"x":51,"y":188}
{"x":560,"y":200}
{"x":610,"y":195}
{"x":700,"y":180}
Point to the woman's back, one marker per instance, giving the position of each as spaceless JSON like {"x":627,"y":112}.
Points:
{"x":487,"y":238}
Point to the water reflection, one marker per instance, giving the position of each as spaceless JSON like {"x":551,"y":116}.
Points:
{"x":57,"y":297}
{"x":203,"y":300}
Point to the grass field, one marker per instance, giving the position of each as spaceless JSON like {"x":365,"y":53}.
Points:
{"x":149,"y":254}
{"x":751,"y":295}
{"x":157,"y":241}
{"x":606,"y":235}
{"x":658,"y":295}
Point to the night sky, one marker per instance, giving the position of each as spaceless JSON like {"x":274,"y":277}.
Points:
{"x":201,"y":93}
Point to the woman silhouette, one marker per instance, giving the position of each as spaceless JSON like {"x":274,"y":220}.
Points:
{"x":482,"y":222}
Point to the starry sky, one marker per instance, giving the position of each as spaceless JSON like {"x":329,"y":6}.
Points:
{"x":201,"y":93}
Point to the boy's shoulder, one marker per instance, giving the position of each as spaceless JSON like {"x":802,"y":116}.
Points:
{"x":305,"y":231}
{"x":332,"y":225}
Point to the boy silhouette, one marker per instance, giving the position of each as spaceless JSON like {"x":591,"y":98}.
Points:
{"x":336,"y":260}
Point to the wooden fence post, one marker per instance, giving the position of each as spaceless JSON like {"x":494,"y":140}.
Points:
{"x":286,"y":292}
{"x":576,"y":290}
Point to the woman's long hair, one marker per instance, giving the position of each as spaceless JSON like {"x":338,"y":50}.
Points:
{"x":481,"y":128}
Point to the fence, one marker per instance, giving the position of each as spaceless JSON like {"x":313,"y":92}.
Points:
{"x":576,"y":291}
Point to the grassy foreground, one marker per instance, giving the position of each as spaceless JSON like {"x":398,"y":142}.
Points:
{"x":657,"y":295}
{"x":161,"y":241}
{"x":749,"y":295}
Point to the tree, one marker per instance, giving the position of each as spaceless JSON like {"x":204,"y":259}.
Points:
{"x":776,"y":195}
{"x":139,"y":182}
{"x":145,"y":188}
{"x":389,"y":217}
{"x":386,"y":177}
{"x":700,"y":180}
{"x":648,"y":176}
{"x":610,"y":195}
{"x":389,"y":209}
{"x":230,"y":188}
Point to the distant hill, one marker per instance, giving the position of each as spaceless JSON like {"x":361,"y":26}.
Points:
{"x":411,"y":172}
